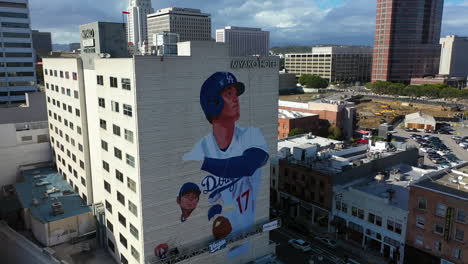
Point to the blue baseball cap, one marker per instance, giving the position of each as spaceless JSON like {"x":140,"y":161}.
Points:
{"x":214,"y":210}
{"x":189,"y":187}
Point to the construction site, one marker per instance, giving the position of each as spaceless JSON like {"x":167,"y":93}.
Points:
{"x":373,"y":112}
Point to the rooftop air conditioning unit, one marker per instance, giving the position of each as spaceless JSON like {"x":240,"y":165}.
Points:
{"x":57,"y":208}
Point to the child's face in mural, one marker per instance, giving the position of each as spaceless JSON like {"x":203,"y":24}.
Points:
{"x":189,"y":200}
{"x":231,"y":109}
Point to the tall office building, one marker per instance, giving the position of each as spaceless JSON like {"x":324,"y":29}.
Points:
{"x":335,"y":63}
{"x":406,"y":41}
{"x":190,"y":24}
{"x":42,"y":42}
{"x":157,"y":203}
{"x":454,"y":56}
{"x":137,"y":23}
{"x":17,"y":70}
{"x":244,"y":41}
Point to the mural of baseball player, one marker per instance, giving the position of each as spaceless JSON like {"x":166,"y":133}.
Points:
{"x":232,"y":155}
{"x":188,"y":198}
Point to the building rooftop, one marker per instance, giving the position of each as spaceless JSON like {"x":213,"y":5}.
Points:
{"x":290,"y":114}
{"x":392,"y":184}
{"x":178,"y":10}
{"x":242,"y":28}
{"x":41,"y":188}
{"x":452,"y":181}
{"x":306,"y":139}
{"x":34,"y":110}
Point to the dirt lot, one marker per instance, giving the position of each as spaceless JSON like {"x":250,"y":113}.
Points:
{"x":373,"y":112}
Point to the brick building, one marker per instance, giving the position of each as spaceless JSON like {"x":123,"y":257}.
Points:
{"x":438,"y":220}
{"x":289,"y":120}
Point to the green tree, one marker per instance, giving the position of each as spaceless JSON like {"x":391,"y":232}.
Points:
{"x":295,"y":131}
{"x":313,"y":81}
{"x":334,"y":132}
{"x":450,"y":93}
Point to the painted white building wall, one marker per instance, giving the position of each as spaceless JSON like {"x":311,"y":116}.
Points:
{"x":454,"y":56}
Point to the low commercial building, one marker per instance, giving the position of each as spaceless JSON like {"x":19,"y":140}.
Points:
{"x":24,"y":136}
{"x":336,"y":113}
{"x":51,"y":209}
{"x":335,"y":63}
{"x":372,"y":211}
{"x":420,"y":120}
{"x":438,"y":217}
{"x":456,"y":82}
{"x":289,"y":120}
{"x":309,"y":167}
{"x":244,"y":41}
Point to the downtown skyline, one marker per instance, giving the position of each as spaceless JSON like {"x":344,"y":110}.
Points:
{"x":295,"y":22}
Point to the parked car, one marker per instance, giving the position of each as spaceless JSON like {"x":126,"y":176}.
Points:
{"x":329,"y":242}
{"x":300,"y":244}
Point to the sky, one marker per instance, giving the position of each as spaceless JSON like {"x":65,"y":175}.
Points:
{"x":291,"y":22}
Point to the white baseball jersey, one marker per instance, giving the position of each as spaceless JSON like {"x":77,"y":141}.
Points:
{"x":238,"y":193}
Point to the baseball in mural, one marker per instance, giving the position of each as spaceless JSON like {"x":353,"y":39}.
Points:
{"x":231,"y":156}
{"x":188,"y":198}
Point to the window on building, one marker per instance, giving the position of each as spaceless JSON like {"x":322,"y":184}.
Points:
{"x":108,"y":207}
{"x":68,"y":92}
{"x":126,"y":84}
{"x":123,"y":260}
{"x":113,"y":82}
{"x":78,"y":130}
{"x":110,"y":245}
{"x":131,"y":184}
{"x":110,"y":226}
{"x":398,"y":227}
{"x":80,"y":147}
{"x":122,"y":220}
{"x":128,"y":135}
{"x":130,"y":160}
{"x":105,"y":166}
{"x":63,"y":90}
{"x":77,"y":112}
{"x":115,"y":106}
{"x":104,"y":145}
{"x":422,"y":203}
{"x":123,"y":240}
{"x":361,"y":213}
{"x":100,"y":80}
{"x":437,"y":246}
{"x":344,"y":207}
{"x":135,"y":253}
{"x":441,"y":209}
{"x":132,"y":208}
{"x":83,"y":181}
{"x":102,"y":102}
{"x":119,"y":175}
{"x":461,"y":215}
{"x":418,"y":240}
{"x":371,"y":218}
{"x":70,"y":109}
{"x":67,"y":75}
{"x":127,"y":110}
{"x":117,"y":153}
{"x":354,"y":211}
{"x":26,"y":138}
{"x":107,"y":187}
{"x":456,"y":253}
{"x":134,"y":231}
{"x":75,"y":94}
{"x":459,"y":234}
{"x":103,"y":124}
{"x":420,"y":221}
{"x":390,"y":225}
{"x":61,"y":74}
{"x":116,"y":130}
{"x":75,"y":76}
{"x":439,"y":228}
{"x":81,"y":164}
{"x":120,"y":198}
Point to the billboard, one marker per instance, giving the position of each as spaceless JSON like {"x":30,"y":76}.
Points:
{"x":230,"y":159}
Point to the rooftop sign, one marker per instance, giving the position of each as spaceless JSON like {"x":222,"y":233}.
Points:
{"x":250,"y":64}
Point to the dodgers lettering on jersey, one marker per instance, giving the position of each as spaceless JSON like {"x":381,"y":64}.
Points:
{"x":240,"y":192}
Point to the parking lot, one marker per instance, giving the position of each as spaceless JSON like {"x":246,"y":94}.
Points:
{"x":432,"y":143}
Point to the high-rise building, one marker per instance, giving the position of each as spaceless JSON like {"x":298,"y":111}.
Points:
{"x":157,"y":202}
{"x":190,"y":24}
{"x":454,"y":56}
{"x":406,"y":41}
{"x":42,"y":42}
{"x":244,"y":41}
{"x":335,"y":63}
{"x":137,"y":23}
{"x":17,"y":70}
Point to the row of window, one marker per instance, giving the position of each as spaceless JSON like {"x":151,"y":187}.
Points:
{"x":419,"y":241}
{"x":63,"y":74}
{"x":459,"y":234}
{"x":113,"y":82}
{"x":131,"y":184}
{"x":441,"y":210}
{"x":64,"y":91}
{"x":123,"y":240}
{"x":66,"y":122}
{"x":115,"y":107}
{"x":392,"y":225}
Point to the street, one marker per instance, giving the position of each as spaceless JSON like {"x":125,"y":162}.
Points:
{"x":289,"y":254}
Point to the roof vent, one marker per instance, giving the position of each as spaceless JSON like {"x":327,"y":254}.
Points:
{"x":57,"y":208}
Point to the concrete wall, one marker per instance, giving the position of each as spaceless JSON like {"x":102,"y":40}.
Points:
{"x":170,"y":122}
{"x":14,"y":152}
